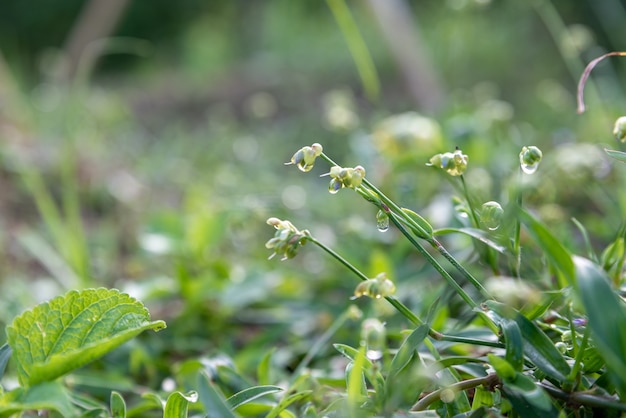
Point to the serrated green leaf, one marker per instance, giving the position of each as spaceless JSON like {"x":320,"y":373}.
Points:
{"x":556,"y":253}
{"x":48,"y":396}
{"x":606,"y":318}
{"x":214,"y":403}
{"x":178,"y":403}
{"x":618,"y":155}
{"x":118,"y":406}
{"x":70,"y":331}
{"x":477,"y":234}
{"x":408,"y":349}
{"x":537,"y":346}
{"x":514,"y":344}
{"x":250,"y":394}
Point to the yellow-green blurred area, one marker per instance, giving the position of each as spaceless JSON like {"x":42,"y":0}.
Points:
{"x":142,"y":146}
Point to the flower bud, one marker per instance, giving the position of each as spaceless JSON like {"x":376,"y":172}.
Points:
{"x":376,"y":288}
{"x":455,"y":163}
{"x":345,"y":177}
{"x":620,"y":129}
{"x":287,"y":240}
{"x":491,"y":214}
{"x":529,"y":159}
{"x":305,"y":157}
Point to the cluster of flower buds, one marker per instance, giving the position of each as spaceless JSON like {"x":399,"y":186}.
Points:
{"x":345,"y":177}
{"x":304,"y":159}
{"x":376,"y":288}
{"x":287,"y":239}
{"x":455,"y":163}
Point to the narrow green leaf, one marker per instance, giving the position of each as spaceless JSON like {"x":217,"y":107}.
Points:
{"x":287,"y":401}
{"x":424,"y":228}
{"x":356,"y":387}
{"x":264,"y":368}
{"x":118,"y":406}
{"x":250,"y":394}
{"x":606,"y":318}
{"x":618,"y":155}
{"x":352,"y":353}
{"x":48,"y":396}
{"x":539,"y":349}
{"x":556,"y":253}
{"x":477,"y":234}
{"x":503,"y":368}
{"x":514,"y":344}
{"x":214,"y":403}
{"x":408,"y":349}
{"x":70,"y":331}
{"x":528,"y":399}
{"x":178,"y":403}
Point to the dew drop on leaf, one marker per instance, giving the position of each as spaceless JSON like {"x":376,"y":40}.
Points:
{"x":382,"y":221}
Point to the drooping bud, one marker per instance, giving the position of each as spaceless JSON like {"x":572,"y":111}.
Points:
{"x":376,"y":288}
{"x":455,"y":163}
{"x":491,"y":214}
{"x":305,"y":157}
{"x":529,"y":159}
{"x":345,"y":177}
{"x":287,"y":240}
{"x":620,"y":129}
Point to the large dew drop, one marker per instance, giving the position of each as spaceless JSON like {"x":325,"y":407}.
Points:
{"x":529,"y":168}
{"x":382,"y":221}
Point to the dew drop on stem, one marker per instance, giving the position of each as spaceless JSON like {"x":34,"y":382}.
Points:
{"x":382,"y":221}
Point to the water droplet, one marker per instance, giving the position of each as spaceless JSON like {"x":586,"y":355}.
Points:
{"x":374,"y":354}
{"x":382,"y":221}
{"x":334,"y":186}
{"x":303,"y":166}
{"x":529,"y":168}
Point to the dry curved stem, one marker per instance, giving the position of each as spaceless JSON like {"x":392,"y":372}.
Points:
{"x":489,"y":381}
{"x":585,"y":76}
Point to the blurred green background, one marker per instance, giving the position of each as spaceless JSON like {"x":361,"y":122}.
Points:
{"x":147,"y":154}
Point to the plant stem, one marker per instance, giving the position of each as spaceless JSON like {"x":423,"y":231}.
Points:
{"x":426,"y":401}
{"x":400,"y":307}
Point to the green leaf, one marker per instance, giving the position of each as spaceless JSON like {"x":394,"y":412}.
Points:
{"x":606,"y":318}
{"x":477,"y":234}
{"x":118,"y":406}
{"x":503,"y":368}
{"x":528,"y":399}
{"x":556,"y":253}
{"x":70,"y":331}
{"x":424,"y":229}
{"x":352,"y":354}
{"x":178,"y":403}
{"x":48,"y":396}
{"x":250,"y":394}
{"x":264,"y":368}
{"x":284,"y":404}
{"x":408,"y":349}
{"x":618,"y":155}
{"x":514,"y":344}
{"x":214,"y":403}
{"x":356,"y":387}
{"x":537,"y":346}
